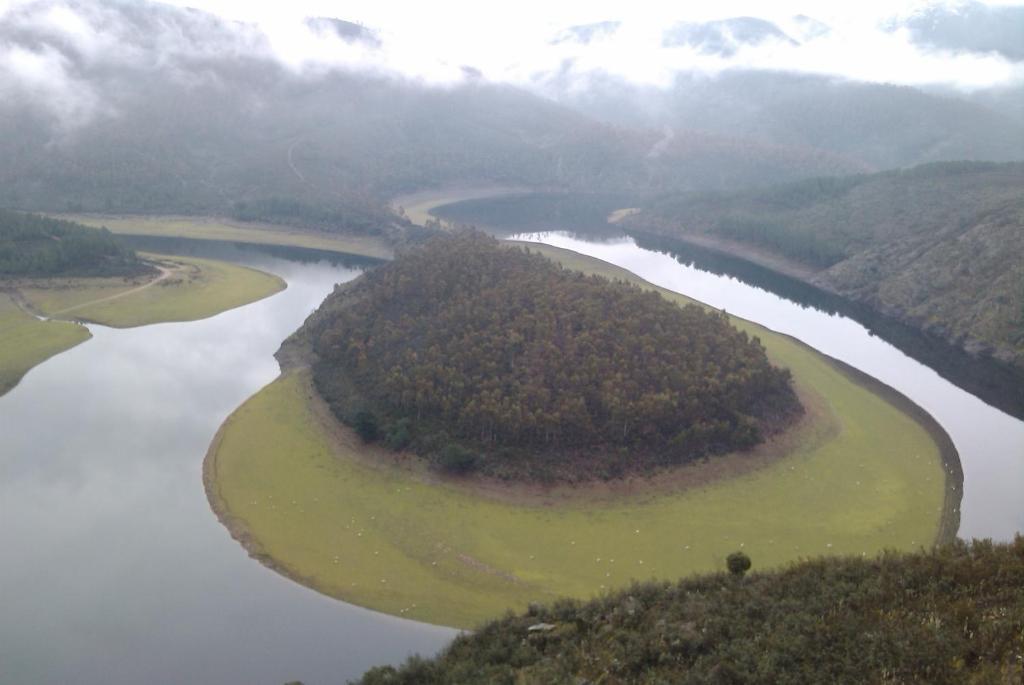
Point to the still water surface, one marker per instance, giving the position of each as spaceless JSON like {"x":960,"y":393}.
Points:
{"x":112,"y":567}
{"x":114,"y":570}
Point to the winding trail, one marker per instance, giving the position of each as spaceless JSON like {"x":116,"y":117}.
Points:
{"x":165,"y":273}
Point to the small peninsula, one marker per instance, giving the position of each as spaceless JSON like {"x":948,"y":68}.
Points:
{"x":56,"y":274}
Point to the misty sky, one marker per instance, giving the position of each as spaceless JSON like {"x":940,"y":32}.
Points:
{"x":517,"y":42}
{"x":511,"y":41}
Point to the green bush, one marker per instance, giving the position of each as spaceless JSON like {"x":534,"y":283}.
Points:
{"x":367,"y":426}
{"x":456,"y":459}
{"x":738,"y":563}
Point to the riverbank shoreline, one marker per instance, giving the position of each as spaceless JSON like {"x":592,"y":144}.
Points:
{"x":308,"y":504}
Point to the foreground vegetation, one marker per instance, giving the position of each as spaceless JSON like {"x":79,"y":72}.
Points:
{"x":484,"y":357}
{"x":863,"y":471}
{"x":25,"y":341}
{"x":953,"y":615}
{"x":939,"y":246}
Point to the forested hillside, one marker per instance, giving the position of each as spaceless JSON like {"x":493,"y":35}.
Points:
{"x":940,"y":246}
{"x":486,"y":357}
{"x":871,"y":126}
{"x":33,"y":245}
{"x":954,"y":615}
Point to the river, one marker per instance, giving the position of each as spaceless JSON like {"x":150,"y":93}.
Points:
{"x":114,"y":569}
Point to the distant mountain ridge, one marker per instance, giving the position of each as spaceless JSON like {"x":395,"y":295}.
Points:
{"x":183,"y":112}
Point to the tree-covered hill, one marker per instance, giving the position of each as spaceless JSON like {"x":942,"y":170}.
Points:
{"x":954,"y":615}
{"x":479,"y":355}
{"x":878,"y":126}
{"x":33,"y":245}
{"x":940,"y":246}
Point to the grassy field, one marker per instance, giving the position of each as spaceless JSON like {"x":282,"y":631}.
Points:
{"x":862,"y":473}
{"x":203,"y":228}
{"x":26,"y":341}
{"x":189,"y":288}
{"x":418,"y":206}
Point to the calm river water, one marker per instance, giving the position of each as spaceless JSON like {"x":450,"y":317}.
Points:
{"x":114,"y":570}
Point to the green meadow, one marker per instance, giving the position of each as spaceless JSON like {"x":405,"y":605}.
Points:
{"x":202,"y":228}
{"x":864,"y":471}
{"x":26,"y":341}
{"x":186,"y":289}
{"x":189,"y":288}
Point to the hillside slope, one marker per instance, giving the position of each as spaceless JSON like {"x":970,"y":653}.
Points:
{"x":955,"y":615}
{"x":939,"y":246}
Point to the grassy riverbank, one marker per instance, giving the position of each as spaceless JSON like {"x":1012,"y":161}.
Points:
{"x":863,"y":472}
{"x":181,"y":289}
{"x":206,"y":228}
{"x":419,"y":207}
{"x":25,"y":341}
{"x":186,"y":289}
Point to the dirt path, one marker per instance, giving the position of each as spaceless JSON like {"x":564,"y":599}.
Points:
{"x":165,"y":273}
{"x":21,"y":303}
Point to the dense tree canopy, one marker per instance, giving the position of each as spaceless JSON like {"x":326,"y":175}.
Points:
{"x":34,"y":245}
{"x":954,"y":615}
{"x":501,"y":350}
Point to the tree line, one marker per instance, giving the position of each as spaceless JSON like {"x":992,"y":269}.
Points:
{"x":35,"y":245}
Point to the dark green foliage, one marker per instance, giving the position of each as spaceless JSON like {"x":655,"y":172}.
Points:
{"x":954,"y":615}
{"x":738,"y":563}
{"x":454,"y":458}
{"x":358,"y":215}
{"x":821,"y":221}
{"x":399,"y":435}
{"x":34,"y":245}
{"x":511,"y":356}
{"x":367,"y":426}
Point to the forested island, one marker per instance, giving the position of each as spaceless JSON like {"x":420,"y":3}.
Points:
{"x":489,"y":358}
{"x":952,"y":615}
{"x":39,"y":246}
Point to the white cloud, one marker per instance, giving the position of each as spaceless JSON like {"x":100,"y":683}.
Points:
{"x":511,"y":41}
{"x":42,"y":76}
{"x":506,"y":41}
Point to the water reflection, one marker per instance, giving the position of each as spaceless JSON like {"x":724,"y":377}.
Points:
{"x":995,"y":382}
{"x":990,"y":442}
{"x":114,"y":569}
